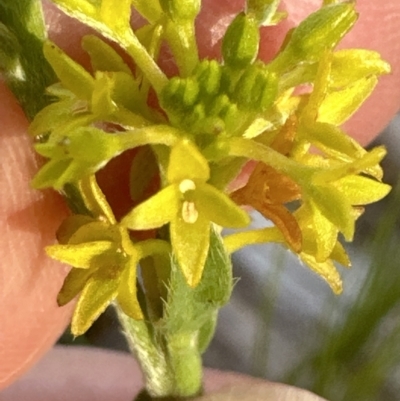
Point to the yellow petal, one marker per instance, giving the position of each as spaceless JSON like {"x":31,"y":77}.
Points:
{"x":239,"y":240}
{"x":73,"y":285}
{"x":94,"y":198}
{"x":361,"y":190}
{"x":71,"y":74}
{"x":186,"y":162}
{"x":219,"y":208}
{"x":99,"y":291}
{"x":326,"y":270}
{"x":80,"y":255}
{"x":156,"y":211}
{"x":190,"y":243}
{"x":339,"y":106}
{"x":127,"y":293}
{"x":335,"y":207}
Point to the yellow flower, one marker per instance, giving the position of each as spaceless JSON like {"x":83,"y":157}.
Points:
{"x":189,"y":204}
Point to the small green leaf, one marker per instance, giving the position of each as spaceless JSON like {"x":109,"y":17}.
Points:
{"x":80,"y":255}
{"x":160,"y":209}
{"x":186,"y":162}
{"x":190,"y":244}
{"x":71,"y":74}
{"x":101,"y":288}
{"x":219,"y":208}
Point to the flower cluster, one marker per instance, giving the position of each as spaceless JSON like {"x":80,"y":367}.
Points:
{"x":311,"y":179}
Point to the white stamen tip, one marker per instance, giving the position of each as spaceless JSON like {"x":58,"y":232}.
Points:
{"x":187,"y":185}
{"x":189,"y":212}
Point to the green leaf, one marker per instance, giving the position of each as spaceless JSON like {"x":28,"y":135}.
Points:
{"x":190,"y":244}
{"x":186,"y":162}
{"x":71,"y":74}
{"x":23,"y":28}
{"x":101,"y":288}
{"x":219,"y":208}
{"x":160,"y":209}
{"x":80,"y":255}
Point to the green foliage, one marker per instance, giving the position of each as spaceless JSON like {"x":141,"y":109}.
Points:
{"x":22,"y":32}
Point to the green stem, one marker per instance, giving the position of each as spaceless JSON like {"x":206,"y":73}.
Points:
{"x":249,"y":149}
{"x":182,"y":41}
{"x":158,"y":377}
{"x":172,"y":367}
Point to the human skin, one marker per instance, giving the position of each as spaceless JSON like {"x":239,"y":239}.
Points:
{"x":30,"y":321}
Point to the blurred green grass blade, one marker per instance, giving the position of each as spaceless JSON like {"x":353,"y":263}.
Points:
{"x":27,"y":73}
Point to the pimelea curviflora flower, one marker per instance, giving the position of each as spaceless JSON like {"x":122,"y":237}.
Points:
{"x":206,"y":123}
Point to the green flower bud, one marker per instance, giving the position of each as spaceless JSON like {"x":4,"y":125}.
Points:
{"x":320,"y":31}
{"x":208,"y":74}
{"x":256,"y":89}
{"x":241,"y":41}
{"x":181,"y":9}
{"x":181,"y":93}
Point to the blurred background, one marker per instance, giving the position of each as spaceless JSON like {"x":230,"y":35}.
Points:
{"x":284,"y":323}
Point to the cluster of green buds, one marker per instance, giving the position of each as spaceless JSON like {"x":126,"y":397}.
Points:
{"x":311,"y":179}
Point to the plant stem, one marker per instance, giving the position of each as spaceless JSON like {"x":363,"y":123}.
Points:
{"x":172,"y":367}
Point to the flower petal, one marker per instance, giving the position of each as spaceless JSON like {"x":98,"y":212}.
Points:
{"x":156,"y":211}
{"x":219,"y":208}
{"x":190,"y":243}
{"x":101,"y":288}
{"x":186,"y":162}
{"x":80,"y":255}
{"x":326,"y":270}
{"x":127,"y":292}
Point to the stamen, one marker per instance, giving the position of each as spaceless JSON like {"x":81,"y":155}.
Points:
{"x":187,"y":185}
{"x":189,"y":212}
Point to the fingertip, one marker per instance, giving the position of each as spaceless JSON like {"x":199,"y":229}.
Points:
{"x":29,"y":281}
